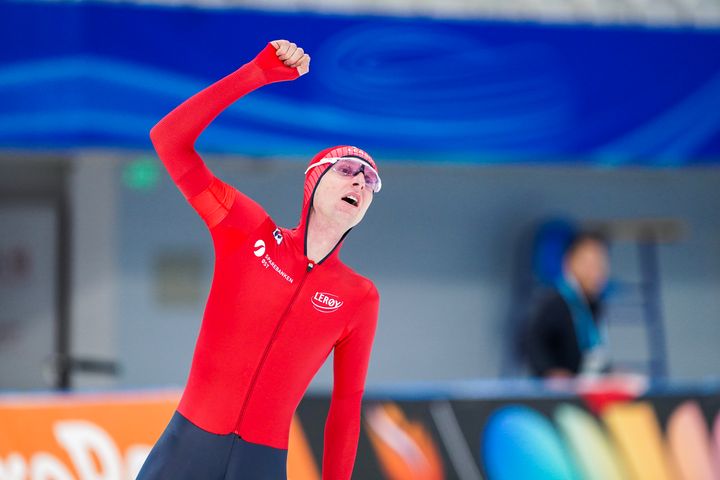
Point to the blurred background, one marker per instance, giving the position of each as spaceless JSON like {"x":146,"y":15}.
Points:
{"x":501,"y":129}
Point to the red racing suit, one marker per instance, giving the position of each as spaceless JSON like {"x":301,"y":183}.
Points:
{"x":272,"y":316}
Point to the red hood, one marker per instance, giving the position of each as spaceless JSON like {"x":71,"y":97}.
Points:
{"x":312,"y":178}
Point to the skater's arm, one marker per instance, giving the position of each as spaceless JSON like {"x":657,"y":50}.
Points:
{"x":175,"y":135}
{"x":350,"y":363}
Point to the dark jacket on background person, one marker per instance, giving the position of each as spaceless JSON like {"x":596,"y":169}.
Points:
{"x":551,"y":341}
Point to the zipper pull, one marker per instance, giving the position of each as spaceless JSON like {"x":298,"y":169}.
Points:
{"x":310,"y":266}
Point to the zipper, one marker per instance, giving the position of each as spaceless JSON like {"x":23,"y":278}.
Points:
{"x":279,"y":324}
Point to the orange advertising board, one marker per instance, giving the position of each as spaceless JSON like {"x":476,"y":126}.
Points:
{"x":100,"y":436}
{"x":68,"y":437}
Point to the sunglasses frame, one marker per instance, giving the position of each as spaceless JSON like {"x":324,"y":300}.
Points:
{"x":334,"y":160}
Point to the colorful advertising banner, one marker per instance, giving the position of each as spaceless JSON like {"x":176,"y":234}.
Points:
{"x":600,"y":435}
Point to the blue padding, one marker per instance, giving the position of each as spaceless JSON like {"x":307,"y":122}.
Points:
{"x":84,"y":74}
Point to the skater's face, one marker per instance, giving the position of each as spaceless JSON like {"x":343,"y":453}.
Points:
{"x":342,"y":199}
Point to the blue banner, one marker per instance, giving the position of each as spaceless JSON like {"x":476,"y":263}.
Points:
{"x":101,"y":74}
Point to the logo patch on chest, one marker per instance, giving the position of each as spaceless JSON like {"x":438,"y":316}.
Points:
{"x":326,"y":302}
{"x":278,"y":236}
{"x":259,"y":248}
{"x":267,"y":261}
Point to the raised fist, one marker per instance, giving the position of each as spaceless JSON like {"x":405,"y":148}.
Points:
{"x":292,"y":55}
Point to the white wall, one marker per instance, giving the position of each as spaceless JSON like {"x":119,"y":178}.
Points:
{"x":439,"y":241}
{"x":704,"y":13}
{"x":92,"y":190}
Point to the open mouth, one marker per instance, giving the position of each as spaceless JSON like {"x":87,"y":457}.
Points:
{"x":351,"y":199}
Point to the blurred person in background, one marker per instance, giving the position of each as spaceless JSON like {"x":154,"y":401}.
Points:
{"x":564,"y":337}
{"x":281,"y":300}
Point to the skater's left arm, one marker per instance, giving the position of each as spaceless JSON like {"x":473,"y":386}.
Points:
{"x":350,"y":363}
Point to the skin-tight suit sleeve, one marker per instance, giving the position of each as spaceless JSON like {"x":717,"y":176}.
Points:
{"x":350,"y":363}
{"x":175,"y":135}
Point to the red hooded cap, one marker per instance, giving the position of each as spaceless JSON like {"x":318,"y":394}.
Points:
{"x":313,"y":176}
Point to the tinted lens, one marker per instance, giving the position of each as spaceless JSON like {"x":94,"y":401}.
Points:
{"x":350,"y":168}
{"x":347,"y":167}
{"x":372,"y":180}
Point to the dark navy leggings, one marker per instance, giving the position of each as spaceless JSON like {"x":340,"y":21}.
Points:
{"x":187,"y":452}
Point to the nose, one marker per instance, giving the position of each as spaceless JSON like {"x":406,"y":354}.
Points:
{"x":361,"y":181}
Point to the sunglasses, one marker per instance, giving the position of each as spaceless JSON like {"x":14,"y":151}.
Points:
{"x":349,"y":167}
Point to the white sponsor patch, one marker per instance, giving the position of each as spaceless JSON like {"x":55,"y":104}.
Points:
{"x":326,"y":302}
{"x":259,"y":248}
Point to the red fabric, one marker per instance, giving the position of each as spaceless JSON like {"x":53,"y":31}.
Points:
{"x":598,"y":401}
{"x":313,"y":175}
{"x":214,"y":202}
{"x":601,"y":393}
{"x":272,"y":317}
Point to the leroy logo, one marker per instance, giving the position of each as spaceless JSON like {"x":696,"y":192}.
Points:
{"x":326,"y":302}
